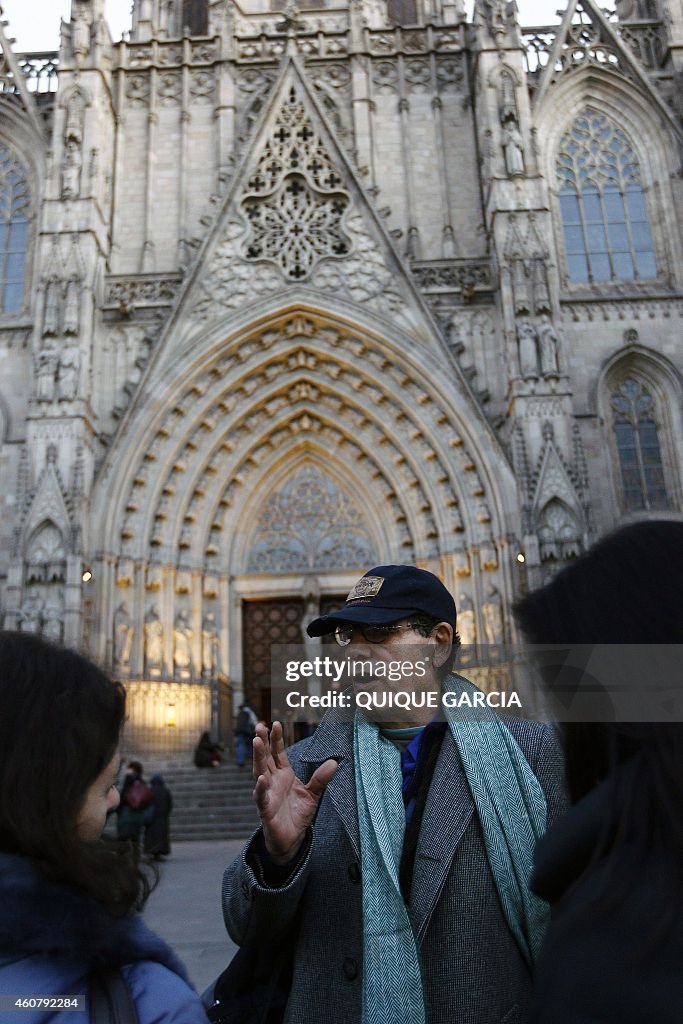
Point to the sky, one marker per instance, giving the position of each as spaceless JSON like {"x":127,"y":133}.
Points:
{"x":35,"y":23}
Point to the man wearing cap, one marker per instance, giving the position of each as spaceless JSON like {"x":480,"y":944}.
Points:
{"x":393,"y":858}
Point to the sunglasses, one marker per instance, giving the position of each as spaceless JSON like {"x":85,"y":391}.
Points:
{"x":372,"y":634}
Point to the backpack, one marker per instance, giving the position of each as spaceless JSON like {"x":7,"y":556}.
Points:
{"x":111,"y":1001}
{"x":245,"y":723}
{"x":139,"y":795}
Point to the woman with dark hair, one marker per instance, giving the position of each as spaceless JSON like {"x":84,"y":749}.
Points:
{"x":612,"y":868}
{"x":68,"y":896}
{"x":132,"y":814}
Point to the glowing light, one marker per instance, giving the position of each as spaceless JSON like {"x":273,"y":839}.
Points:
{"x":520,"y":558}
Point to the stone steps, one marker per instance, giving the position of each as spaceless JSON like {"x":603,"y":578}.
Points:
{"x":208,"y":803}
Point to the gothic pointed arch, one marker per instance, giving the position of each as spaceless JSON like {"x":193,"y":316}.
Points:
{"x":17,"y":214}
{"x":612,"y":147}
{"x":560,"y":533}
{"x":300,"y":389}
{"x":639,"y":396}
{"x":587,"y":41}
{"x":311,"y":374}
{"x":45,"y":554}
{"x":606,"y":224}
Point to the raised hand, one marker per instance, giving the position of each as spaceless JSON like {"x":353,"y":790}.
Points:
{"x":286,"y":806}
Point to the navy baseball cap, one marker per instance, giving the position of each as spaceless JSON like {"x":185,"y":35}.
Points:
{"x":388,"y":593}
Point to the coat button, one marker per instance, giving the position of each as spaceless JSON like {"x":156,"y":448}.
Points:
{"x":245,"y":890}
{"x":354,"y":872}
{"x":350,"y":968}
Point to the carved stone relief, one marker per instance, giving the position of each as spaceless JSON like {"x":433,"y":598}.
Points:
{"x":527,"y":258}
{"x":169,"y":89}
{"x":492,"y":614}
{"x":137,"y":90}
{"x":467,"y":629}
{"x":154,"y":643}
{"x":123,"y":637}
{"x":237,"y":440}
{"x":182,"y":646}
{"x":385,"y":76}
{"x":559,"y":533}
{"x":68,"y":373}
{"x":450,"y":74}
{"x":210,"y":644}
{"x":202,"y":86}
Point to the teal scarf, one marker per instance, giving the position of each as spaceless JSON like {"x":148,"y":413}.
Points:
{"x":512,"y":811}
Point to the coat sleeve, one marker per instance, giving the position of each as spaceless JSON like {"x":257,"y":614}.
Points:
{"x":549,"y":768}
{"x":252,"y":909}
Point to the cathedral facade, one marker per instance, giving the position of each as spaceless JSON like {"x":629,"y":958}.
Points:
{"x":290,"y":291}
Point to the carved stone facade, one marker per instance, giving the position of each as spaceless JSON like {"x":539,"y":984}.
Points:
{"x":312,"y":291}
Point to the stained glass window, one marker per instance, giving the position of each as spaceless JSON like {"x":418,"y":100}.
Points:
{"x":604,"y":215}
{"x":15,"y":205}
{"x":640,"y":459}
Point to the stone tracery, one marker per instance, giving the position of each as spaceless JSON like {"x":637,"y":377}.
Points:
{"x":309,"y":523}
{"x":295,"y":201}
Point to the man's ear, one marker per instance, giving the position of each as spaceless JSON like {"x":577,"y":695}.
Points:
{"x":443,"y":634}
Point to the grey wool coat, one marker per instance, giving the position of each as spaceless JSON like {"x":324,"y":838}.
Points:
{"x":473,"y":972}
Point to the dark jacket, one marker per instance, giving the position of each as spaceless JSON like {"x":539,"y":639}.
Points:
{"x":157,"y":824}
{"x":605,"y":959}
{"x":51,"y":937}
{"x":472,"y":967}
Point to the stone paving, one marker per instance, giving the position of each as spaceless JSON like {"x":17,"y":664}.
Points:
{"x":185,"y":908}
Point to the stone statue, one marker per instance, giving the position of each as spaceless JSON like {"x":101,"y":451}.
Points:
{"x":53,"y":619}
{"x":539,"y":283}
{"x":123,"y":636}
{"x":71,"y":170}
{"x":492,"y":611}
{"x":154,"y":642}
{"x":75,"y":111}
{"x":466,"y":625}
{"x":68,"y":374}
{"x":31,"y":614}
{"x":52,"y":304}
{"x":508,"y":100}
{"x":520,"y":286}
{"x":182,"y":645}
{"x":513,"y":148}
{"x":548,"y":341}
{"x":72,"y":308}
{"x":528,"y":349}
{"x":209,"y":644}
{"x":80,"y":35}
{"x":46,"y":373}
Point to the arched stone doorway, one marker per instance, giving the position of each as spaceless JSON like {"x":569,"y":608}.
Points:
{"x":299,"y":405}
{"x":310,"y":531}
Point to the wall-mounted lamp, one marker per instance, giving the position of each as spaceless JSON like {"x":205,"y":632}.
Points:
{"x":520,"y":558}
{"x":86,"y":575}
{"x":170,"y":716}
